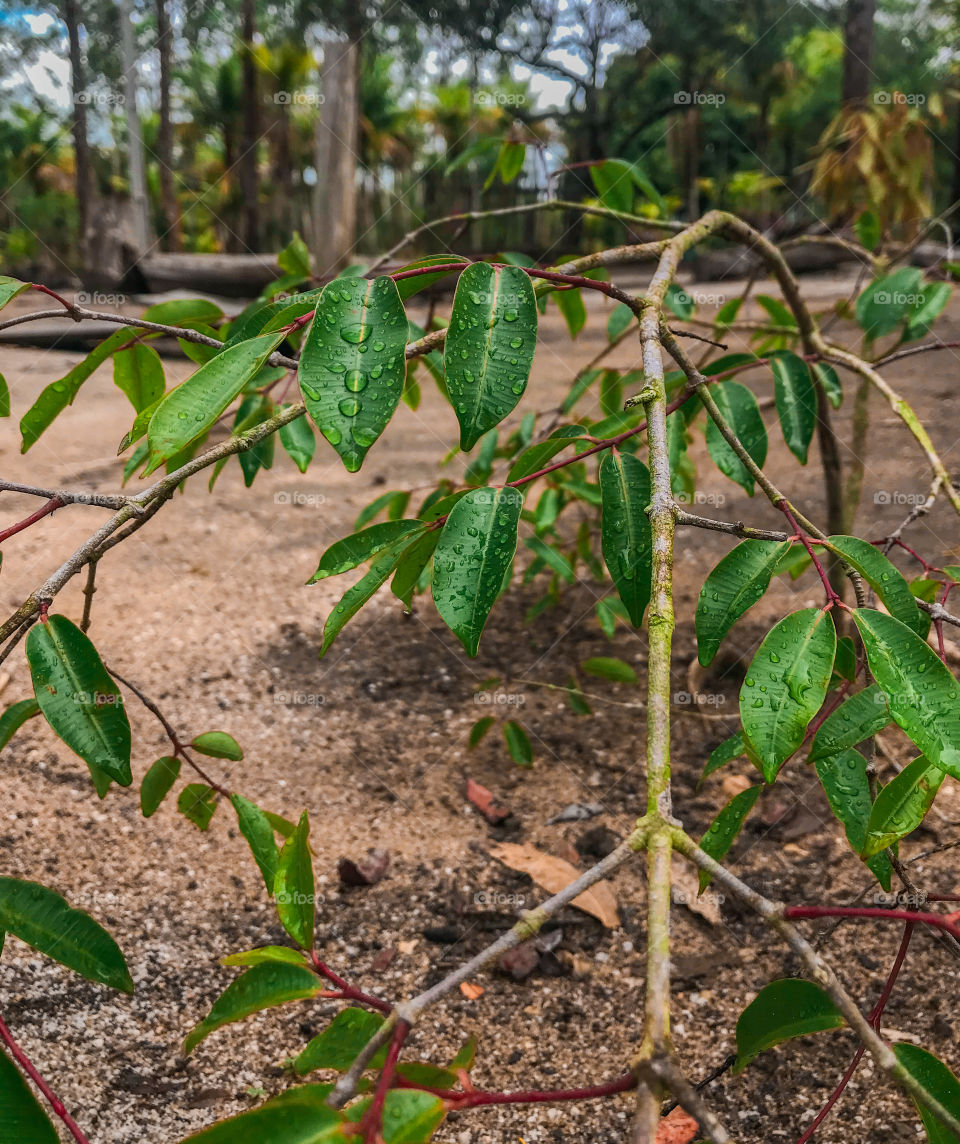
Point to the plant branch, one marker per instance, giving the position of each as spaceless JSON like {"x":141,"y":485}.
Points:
{"x":52,"y":1099}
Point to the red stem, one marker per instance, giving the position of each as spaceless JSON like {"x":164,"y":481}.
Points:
{"x":346,"y":991}
{"x":51,"y":506}
{"x":832,"y":597}
{"x":54,"y":1101}
{"x":945,"y":922}
{"x":53,"y":294}
{"x":372,"y":1121}
{"x":874,"y":1019}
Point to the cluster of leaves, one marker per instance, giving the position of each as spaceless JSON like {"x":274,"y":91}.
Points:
{"x":460,"y":545}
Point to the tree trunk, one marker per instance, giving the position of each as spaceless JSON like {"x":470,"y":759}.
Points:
{"x":81,"y":146}
{"x":335,"y":198}
{"x":135,"y":164}
{"x":171,"y":231}
{"x":251,"y":132}
{"x":858,"y":50}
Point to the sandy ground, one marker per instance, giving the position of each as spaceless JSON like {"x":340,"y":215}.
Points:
{"x":205,"y":608}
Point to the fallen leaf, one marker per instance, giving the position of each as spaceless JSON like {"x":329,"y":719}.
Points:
{"x":482,"y":799}
{"x":383,"y":960}
{"x":553,"y":874}
{"x":733,"y":785}
{"x":470,"y":991}
{"x":366,"y":871}
{"x":677,"y":1128}
{"x":685,"y":891}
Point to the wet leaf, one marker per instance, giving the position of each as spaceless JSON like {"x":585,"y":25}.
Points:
{"x":625,"y":530}
{"x":734,"y":586}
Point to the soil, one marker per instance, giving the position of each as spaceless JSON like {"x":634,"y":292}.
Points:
{"x":206,"y":609}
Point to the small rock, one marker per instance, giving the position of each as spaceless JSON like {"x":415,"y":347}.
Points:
{"x":367,"y":871}
{"x":520,"y":961}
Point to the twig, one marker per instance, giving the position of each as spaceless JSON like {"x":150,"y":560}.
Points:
{"x":89,"y":591}
{"x":52,"y":1099}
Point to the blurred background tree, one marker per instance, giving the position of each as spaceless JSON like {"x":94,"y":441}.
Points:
{"x":355,"y":122}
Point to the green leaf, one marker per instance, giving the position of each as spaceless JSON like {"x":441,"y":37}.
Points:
{"x":197,"y":803}
{"x":78,"y":696}
{"x":14,"y":718}
{"x":352,"y":366}
{"x":339,"y":1045}
{"x":356,"y":596}
{"x":138,"y":372}
{"x":723,"y":753}
{"x":10,"y":288}
{"x":727,"y":314}
{"x":218,"y":745}
{"x":609,"y":667}
{"x":572,"y":310}
{"x":625,"y":530}
{"x":902,"y":805}
{"x":271,"y":953}
{"x":779,"y":313}
{"x":395,"y":503}
{"x":407,"y":287}
{"x":479,"y":729}
{"x":189,"y":410}
{"x":614,"y":183}
{"x":620,"y":318}
{"x":679,"y":302}
{"x":576,"y":698}
{"x":294,"y":887}
{"x":295,"y":258}
{"x":732,"y":588}
{"x":411,"y":567}
{"x":780,"y":1011}
{"x":867,"y":229}
{"x":537,"y":456}
{"x":188,"y":312}
{"x":4,"y":397}
{"x":489,"y":348}
{"x":261,"y":987}
{"x":827,"y":376}
{"x":554,"y":560}
{"x":847,"y":787}
{"x":887,"y":300}
{"x":510,"y":160}
{"x":472,"y":557}
{"x":518,"y":744}
{"x":883,"y":576}
{"x":298,"y":442}
{"x":157,"y":783}
{"x":46,"y":922}
{"x":298,"y":1116}
{"x":741,"y":412}
{"x":929,"y":306}
{"x":938,"y":1081}
{"x":22,"y":1119}
{"x":411,"y":1117}
{"x":59,"y":394}
{"x":923,"y":695}
{"x":721,"y":834}
{"x":361,"y":546}
{"x":258,"y":831}
{"x":796,"y":399}
{"x":785,"y":685}
{"x":855,"y":720}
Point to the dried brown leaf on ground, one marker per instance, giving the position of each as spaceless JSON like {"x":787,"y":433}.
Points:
{"x":553,"y":874}
{"x":677,"y":1128}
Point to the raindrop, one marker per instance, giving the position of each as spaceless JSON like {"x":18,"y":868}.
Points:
{"x":350,"y":407}
{"x":332,"y":434}
{"x":355,"y":381}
